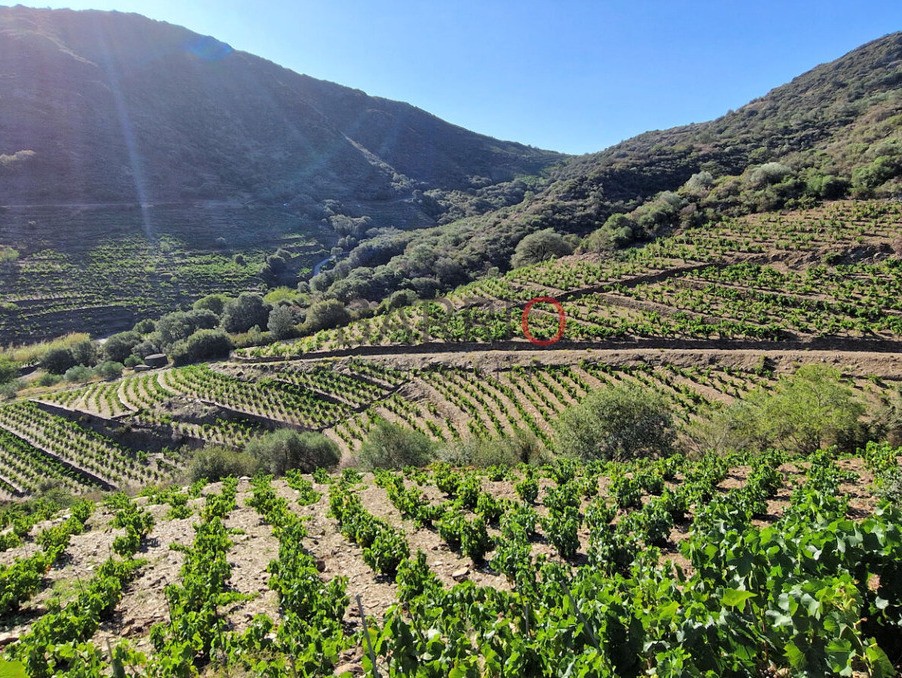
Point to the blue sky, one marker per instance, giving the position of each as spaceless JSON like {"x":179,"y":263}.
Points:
{"x":569,"y":75}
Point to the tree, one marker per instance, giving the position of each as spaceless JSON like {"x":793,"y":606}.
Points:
{"x":326,"y":314}
{"x":178,"y":326}
{"x":617,"y":423}
{"x":57,"y":360}
{"x":85,"y":353}
{"x":287,"y":449}
{"x":245,"y":312}
{"x":282,"y":322}
{"x":211,"y":302}
{"x":539,"y":246}
{"x":145,"y":326}
{"x":119,"y":346}
{"x":392,"y":446}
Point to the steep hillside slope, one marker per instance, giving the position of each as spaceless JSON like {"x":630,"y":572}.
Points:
{"x":105,"y":107}
{"x":835,"y":117}
{"x":834,"y":131}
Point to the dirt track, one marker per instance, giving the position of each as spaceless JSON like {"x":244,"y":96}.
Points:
{"x":862,"y":363}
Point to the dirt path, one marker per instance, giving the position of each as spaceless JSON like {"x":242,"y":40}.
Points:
{"x":855,"y":362}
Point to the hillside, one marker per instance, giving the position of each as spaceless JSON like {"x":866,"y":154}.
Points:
{"x":835,"y":131}
{"x":488,"y":564}
{"x":110,"y":107}
{"x":835,"y":118}
{"x":702,"y":317}
{"x":118,"y":133}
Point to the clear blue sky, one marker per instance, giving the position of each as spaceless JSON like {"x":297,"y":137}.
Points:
{"x":569,"y":75}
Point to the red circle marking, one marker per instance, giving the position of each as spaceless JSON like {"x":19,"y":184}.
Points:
{"x":561,"y":321}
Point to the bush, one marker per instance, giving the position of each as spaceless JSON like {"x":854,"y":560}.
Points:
{"x":324,"y":315}
{"x":212,"y":302}
{"x":202,"y":345}
{"x":768,"y":173}
{"x":8,"y":370}
{"x":215,"y":462}
{"x":617,"y":231}
{"x":801,"y":413}
{"x":79,"y":374}
{"x":49,"y":379}
{"x":539,"y":246}
{"x":282,"y":322}
{"x":521,"y":447}
{"x":145,"y":348}
{"x":85,"y":353}
{"x":617,"y":423}
{"x":133,"y":361}
{"x":119,"y":346}
{"x":145,"y":326}
{"x":247,"y":311}
{"x":392,"y":446}
{"x":109,"y":370}
{"x":398,"y":299}
{"x":287,"y":449}
{"x":175,"y":327}
{"x":57,"y":360}
{"x":9,"y":389}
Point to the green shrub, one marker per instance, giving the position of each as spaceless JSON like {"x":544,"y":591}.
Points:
{"x":202,"y":345}
{"x":57,"y":360}
{"x":247,"y":311}
{"x":109,"y":370}
{"x":85,"y":353}
{"x":391,"y":446}
{"x":79,"y":374}
{"x":617,"y":423}
{"x":9,"y":389}
{"x":212,"y":302}
{"x":49,"y":379}
{"x":286,"y":449}
{"x":119,"y":346}
{"x":215,"y":462}
{"x":133,"y":361}
{"x":616,"y":232}
{"x":282,"y":322}
{"x":145,"y":326}
{"x":324,"y":315}
{"x":804,"y":412}
{"x":505,"y":451}
{"x":8,"y":370}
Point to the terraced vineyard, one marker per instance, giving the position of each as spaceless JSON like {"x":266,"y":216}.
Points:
{"x":702,"y":291}
{"x":499,"y":572}
{"x":125,"y":264}
{"x":229,"y":403}
{"x":830,"y":272}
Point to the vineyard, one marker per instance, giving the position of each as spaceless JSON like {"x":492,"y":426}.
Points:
{"x":732,"y":565}
{"x":100,"y":270}
{"x":739,"y":564}
{"x":228,"y":403}
{"x":830,"y":272}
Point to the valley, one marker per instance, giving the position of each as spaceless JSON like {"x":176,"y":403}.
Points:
{"x":300,"y":381}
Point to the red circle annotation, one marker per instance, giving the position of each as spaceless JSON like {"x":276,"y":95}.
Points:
{"x":561,"y":321}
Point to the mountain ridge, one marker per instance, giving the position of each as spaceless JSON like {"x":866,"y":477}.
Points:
{"x":187,"y":111}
